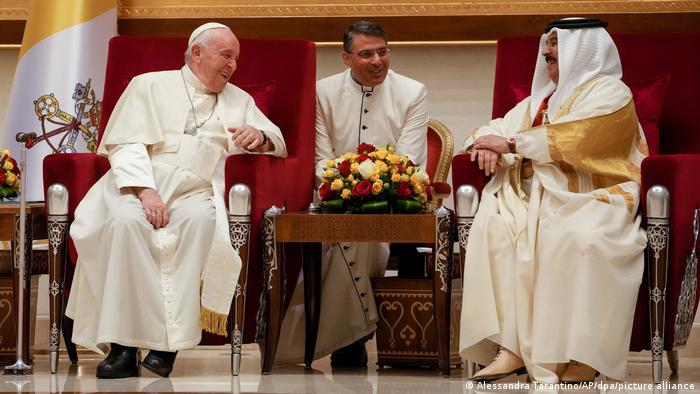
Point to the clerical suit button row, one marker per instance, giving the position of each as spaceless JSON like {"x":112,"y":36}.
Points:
{"x":364,"y":127}
{"x":357,"y":279}
{"x":366,"y":110}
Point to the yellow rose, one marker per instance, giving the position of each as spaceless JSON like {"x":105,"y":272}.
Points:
{"x":10,"y":178}
{"x":328,"y":174}
{"x":377,"y":187}
{"x":354,"y":167}
{"x":418,"y":188}
{"x":337,"y":185}
{"x":381,"y":154}
{"x":396,"y":177}
{"x":381,"y":166}
{"x":351,"y":178}
{"x":8,"y":166}
{"x":404,"y":178}
{"x":374,"y":177}
{"x":345,"y":194}
{"x":390,"y":149}
{"x":393,"y":159}
{"x":5,"y":153}
{"x":409,"y":170}
{"x":330,"y":163}
{"x":347,"y":155}
{"x":354,"y":182}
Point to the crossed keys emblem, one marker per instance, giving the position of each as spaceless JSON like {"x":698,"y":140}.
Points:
{"x":87,"y":111}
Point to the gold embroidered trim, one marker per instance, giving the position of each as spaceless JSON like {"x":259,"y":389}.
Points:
{"x":602,"y":198}
{"x":627,"y":196}
{"x":600,"y":145}
{"x":571,"y":175}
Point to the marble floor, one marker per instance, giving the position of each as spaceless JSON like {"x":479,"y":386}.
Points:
{"x":207,"y":369}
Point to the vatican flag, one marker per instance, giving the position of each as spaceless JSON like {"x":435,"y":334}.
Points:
{"x":58,"y":83}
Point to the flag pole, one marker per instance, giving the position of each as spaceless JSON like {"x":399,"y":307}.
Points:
{"x":20,"y":367}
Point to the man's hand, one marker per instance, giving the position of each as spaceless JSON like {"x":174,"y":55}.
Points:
{"x":249,"y":138}
{"x":494,"y":143}
{"x":156,"y":212}
{"x":488,"y":160}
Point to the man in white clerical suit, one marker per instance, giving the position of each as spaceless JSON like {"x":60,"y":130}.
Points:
{"x":555,"y":253}
{"x":367,"y":103}
{"x":155,"y":226}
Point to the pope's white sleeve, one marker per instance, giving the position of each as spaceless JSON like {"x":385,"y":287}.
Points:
{"x":131,"y":165}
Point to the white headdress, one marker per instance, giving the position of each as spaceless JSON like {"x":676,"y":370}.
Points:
{"x":584,"y":53}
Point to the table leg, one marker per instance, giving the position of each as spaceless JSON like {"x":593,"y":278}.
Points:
{"x":273,"y":256}
{"x":312,"y":297}
{"x":23,"y":328}
{"x":442,"y":286}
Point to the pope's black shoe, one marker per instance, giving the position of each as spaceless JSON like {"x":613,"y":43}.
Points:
{"x":352,"y":356}
{"x":121,"y":362}
{"x":160,"y":362}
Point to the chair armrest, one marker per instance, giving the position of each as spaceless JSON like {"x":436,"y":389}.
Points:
{"x":272,"y":180}
{"x":464,"y":171}
{"x":679,"y":174}
{"x":76,"y":171}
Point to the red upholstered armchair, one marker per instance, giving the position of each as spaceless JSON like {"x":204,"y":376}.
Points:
{"x":662,"y":72}
{"x":281,"y":77}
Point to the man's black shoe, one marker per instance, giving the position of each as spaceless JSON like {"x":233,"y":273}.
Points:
{"x":160,"y":362}
{"x":120,"y":363}
{"x":352,"y":356}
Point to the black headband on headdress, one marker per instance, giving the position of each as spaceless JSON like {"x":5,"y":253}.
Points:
{"x":575,"y":23}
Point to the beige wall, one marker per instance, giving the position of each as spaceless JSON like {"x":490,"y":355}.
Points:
{"x":8,"y":62}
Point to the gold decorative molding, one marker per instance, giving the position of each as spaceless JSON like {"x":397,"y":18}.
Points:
{"x":141,"y":9}
{"x":14,"y":10}
{"x":218,"y":9}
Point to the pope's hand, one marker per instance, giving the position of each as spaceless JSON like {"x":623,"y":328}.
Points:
{"x":246,"y":137}
{"x":156,"y":211}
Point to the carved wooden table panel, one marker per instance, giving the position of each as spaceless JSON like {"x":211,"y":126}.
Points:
{"x":312,"y":228}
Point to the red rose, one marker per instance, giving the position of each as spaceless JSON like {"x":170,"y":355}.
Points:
{"x":344,"y":168}
{"x":359,"y":159}
{"x":363,"y":188}
{"x":365,"y":148}
{"x":2,"y":177}
{"x":400,"y":168}
{"x":325,"y":192}
{"x":403,"y":191}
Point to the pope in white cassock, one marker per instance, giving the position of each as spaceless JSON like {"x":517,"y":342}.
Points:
{"x":367,"y":103}
{"x":155,"y":226}
{"x":555,"y":253}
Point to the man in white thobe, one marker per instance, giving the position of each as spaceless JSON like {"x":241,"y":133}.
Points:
{"x":155,"y":226}
{"x":367,"y":103}
{"x":555,"y":254}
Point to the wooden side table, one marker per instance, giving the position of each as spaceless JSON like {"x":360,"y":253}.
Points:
{"x":9,"y":231}
{"x":313,"y":228}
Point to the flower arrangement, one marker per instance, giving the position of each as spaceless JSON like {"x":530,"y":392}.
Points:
{"x":9,"y":175}
{"x":374,"y":180}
